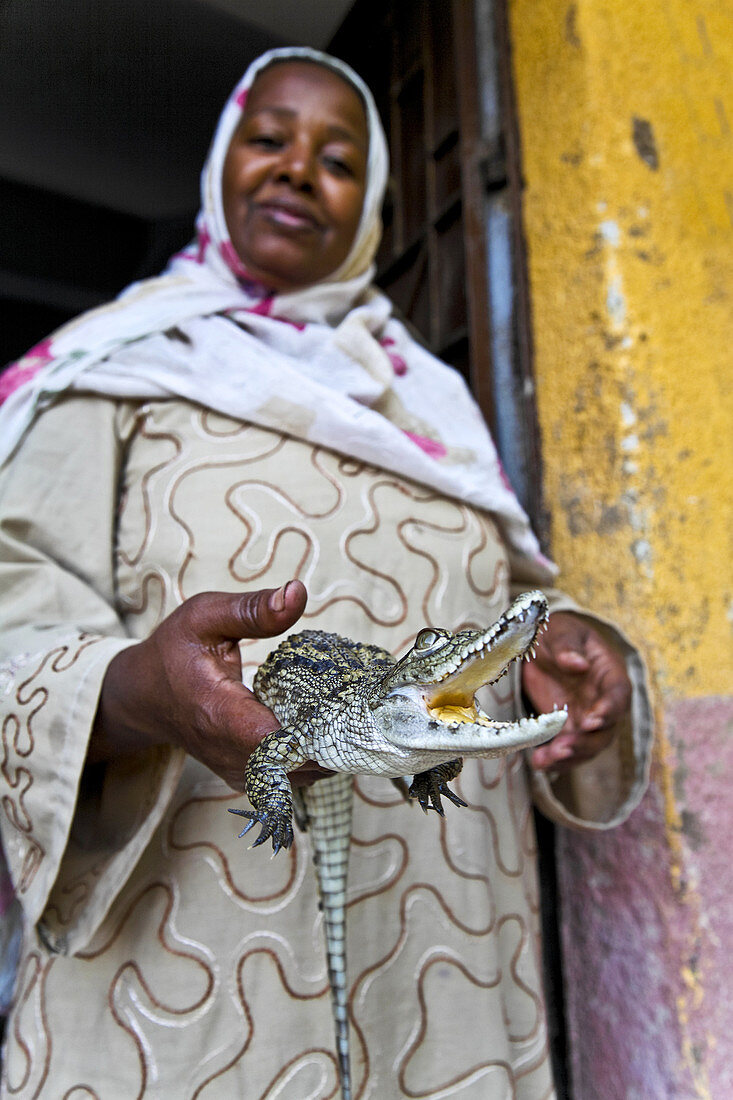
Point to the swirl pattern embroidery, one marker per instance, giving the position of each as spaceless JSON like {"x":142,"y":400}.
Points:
{"x":206,"y":976}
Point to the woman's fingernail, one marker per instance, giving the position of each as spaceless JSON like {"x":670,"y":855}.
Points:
{"x":276,"y":601}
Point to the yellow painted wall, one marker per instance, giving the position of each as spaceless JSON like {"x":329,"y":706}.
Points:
{"x":626,"y":121}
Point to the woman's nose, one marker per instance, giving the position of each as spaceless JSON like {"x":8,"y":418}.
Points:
{"x":297,"y":166}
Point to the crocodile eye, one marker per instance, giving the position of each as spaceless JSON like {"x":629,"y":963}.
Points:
{"x":429,"y":639}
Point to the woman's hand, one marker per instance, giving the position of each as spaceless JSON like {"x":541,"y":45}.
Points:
{"x":182,"y":685}
{"x":576,"y":666}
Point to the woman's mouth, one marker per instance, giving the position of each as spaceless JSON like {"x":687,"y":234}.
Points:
{"x":289,"y":215}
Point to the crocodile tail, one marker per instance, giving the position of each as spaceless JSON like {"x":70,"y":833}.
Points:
{"x":329,"y":806}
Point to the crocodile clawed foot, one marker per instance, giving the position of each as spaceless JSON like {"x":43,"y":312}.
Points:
{"x":429,"y":787}
{"x":275,"y":825}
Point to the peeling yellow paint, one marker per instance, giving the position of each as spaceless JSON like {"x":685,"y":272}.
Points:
{"x":626,"y":124}
{"x":691,"y":1058}
{"x":687,"y":893}
{"x":626,"y":121}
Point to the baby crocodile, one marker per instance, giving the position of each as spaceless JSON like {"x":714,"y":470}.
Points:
{"x":355,"y":709}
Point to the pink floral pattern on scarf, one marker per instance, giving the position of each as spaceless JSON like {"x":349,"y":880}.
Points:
{"x":431,"y":446}
{"x":398,"y":363}
{"x":20,"y":372}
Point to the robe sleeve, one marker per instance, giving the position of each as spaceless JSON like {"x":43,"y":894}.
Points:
{"x":71,"y":833}
{"x":602,"y":792}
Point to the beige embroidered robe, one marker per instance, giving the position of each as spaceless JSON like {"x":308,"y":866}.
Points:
{"x":163,"y":957}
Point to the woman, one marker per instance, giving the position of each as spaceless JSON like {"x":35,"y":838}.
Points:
{"x":257,"y":414}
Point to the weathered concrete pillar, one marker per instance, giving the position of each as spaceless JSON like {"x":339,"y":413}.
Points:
{"x":626,"y":117}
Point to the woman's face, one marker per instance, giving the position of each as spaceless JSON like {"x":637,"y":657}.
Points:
{"x":295,"y":175}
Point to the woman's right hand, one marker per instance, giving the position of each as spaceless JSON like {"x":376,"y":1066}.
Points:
{"x":183,"y":684}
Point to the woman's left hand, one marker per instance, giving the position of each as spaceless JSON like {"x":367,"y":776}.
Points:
{"x":575,"y":666}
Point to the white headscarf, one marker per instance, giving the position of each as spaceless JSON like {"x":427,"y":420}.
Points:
{"x":328,"y":363}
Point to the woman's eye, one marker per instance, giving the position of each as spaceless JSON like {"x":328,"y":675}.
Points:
{"x":266,"y":141}
{"x":338,"y":167}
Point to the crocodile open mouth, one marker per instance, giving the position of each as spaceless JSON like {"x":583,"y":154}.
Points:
{"x":452,"y":699}
{"x":452,"y":714}
{"x":442,"y":673}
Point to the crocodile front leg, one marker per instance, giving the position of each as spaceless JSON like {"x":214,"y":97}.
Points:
{"x":428,"y":787}
{"x":268,"y":787}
